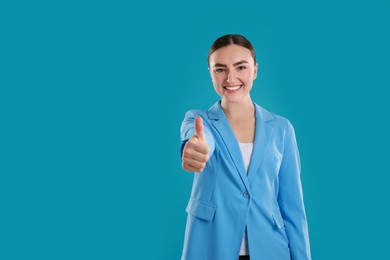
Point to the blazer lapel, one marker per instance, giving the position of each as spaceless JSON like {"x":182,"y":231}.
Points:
{"x":220,"y":122}
{"x":263,"y":135}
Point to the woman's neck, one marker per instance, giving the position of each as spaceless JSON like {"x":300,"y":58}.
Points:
{"x":236,"y":110}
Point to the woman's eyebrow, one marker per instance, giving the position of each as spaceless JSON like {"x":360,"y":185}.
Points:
{"x":235,"y":64}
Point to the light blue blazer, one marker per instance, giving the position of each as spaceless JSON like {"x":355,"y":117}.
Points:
{"x":224,"y":198}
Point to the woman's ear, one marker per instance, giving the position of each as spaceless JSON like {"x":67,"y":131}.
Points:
{"x":255,"y":71}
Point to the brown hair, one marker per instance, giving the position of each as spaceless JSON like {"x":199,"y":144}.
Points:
{"x":229,"y":39}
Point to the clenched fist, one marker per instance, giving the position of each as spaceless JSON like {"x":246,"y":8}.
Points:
{"x":196,"y":151}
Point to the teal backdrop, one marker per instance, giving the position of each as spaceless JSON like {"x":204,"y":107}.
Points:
{"x":92,"y":95}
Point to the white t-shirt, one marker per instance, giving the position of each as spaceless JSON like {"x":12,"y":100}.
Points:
{"x":246,"y":151}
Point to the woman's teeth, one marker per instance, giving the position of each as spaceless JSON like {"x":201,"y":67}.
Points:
{"x":233,"y":88}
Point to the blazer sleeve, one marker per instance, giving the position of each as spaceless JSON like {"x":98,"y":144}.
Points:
{"x":290,"y":198}
{"x":187,"y":130}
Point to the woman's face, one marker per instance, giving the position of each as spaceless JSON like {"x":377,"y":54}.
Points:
{"x":232,"y":71}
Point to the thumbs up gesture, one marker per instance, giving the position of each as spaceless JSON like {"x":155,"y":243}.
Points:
{"x":196,"y":151}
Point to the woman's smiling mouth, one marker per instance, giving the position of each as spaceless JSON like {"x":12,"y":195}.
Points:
{"x":232,"y":89}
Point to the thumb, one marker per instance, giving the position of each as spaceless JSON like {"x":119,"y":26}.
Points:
{"x":199,"y":129}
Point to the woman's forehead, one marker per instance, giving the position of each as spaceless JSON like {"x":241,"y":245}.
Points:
{"x":231,"y":54}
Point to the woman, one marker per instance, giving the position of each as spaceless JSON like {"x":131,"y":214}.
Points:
{"x":246,"y":200}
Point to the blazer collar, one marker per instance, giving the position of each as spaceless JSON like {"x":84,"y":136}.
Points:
{"x":216,"y":112}
{"x":263,"y":134}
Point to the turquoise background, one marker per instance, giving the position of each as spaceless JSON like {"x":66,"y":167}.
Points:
{"x":92,"y":95}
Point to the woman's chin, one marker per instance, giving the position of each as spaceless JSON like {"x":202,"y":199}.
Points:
{"x":233,"y":99}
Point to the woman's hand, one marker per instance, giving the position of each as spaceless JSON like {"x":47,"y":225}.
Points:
{"x":196,"y":150}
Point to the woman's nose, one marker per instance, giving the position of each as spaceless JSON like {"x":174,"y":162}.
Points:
{"x":231,"y":77}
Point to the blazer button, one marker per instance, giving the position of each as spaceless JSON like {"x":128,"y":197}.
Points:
{"x":246,"y":194}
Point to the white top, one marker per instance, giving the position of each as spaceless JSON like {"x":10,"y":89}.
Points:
{"x":246,"y":151}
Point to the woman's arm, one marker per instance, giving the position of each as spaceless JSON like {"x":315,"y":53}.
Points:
{"x":290,"y":198}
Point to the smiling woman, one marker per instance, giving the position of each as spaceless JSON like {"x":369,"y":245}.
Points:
{"x":246,"y":200}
